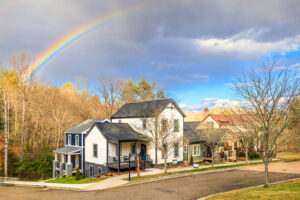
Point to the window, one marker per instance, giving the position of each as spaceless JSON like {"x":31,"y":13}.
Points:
{"x":176,"y":150}
{"x":95,"y":150}
{"x":184,"y":148}
{"x":176,"y":125}
{"x":69,"y":139}
{"x":165,"y":148}
{"x":195,"y":150}
{"x":91,"y":170}
{"x":99,"y":170}
{"x":210,"y":124}
{"x":164,"y":125}
{"x":144,"y":124}
{"x":77,"y":140}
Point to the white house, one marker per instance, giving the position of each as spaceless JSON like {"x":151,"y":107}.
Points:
{"x":138,"y":116}
{"x":72,"y":154}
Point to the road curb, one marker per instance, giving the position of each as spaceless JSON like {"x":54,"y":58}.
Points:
{"x":204,"y":198}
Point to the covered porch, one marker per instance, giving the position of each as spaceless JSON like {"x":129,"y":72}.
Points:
{"x":122,"y":154}
{"x":66,"y":160}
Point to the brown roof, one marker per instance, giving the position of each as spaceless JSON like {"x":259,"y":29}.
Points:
{"x":230,"y":120}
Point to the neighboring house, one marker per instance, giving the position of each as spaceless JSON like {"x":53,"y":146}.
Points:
{"x":72,"y":154}
{"x":137,"y":115}
{"x":194,"y":144}
{"x":108,"y":146}
{"x":230,"y":145}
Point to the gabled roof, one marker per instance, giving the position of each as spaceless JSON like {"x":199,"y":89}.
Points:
{"x":230,"y":120}
{"x":192,"y":132}
{"x":193,"y":136}
{"x":144,"y":109}
{"x":120,"y":132}
{"x":84,"y":126}
{"x":191,"y":125}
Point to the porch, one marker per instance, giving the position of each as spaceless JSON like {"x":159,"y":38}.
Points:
{"x":65,"y":164}
{"x":123,"y":155}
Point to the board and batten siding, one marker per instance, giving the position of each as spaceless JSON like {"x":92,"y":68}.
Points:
{"x":168,"y":113}
{"x":95,"y":137}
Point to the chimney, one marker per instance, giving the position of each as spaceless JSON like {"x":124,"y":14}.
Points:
{"x":206,"y":112}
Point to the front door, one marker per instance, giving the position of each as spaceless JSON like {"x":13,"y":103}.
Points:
{"x":143,"y":151}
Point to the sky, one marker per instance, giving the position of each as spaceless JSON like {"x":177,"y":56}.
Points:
{"x":194,"y":48}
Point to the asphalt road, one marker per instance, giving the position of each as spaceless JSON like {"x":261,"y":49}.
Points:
{"x":189,"y":187}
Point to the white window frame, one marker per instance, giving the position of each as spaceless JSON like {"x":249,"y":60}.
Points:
{"x":178,"y":128}
{"x":70,"y":139}
{"x":195,"y":148}
{"x":185,"y":149}
{"x":176,"y":156}
{"x":76,"y":140}
{"x":95,"y":156}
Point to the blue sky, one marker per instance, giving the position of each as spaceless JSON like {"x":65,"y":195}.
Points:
{"x":194,"y":48}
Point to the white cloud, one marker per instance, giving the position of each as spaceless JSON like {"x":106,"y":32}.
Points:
{"x":211,"y":103}
{"x":244,"y":45}
{"x":204,"y":78}
{"x":237,"y":85}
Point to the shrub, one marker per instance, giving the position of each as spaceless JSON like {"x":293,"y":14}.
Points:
{"x":191,"y":160}
{"x":253,"y":155}
{"x":241,"y":154}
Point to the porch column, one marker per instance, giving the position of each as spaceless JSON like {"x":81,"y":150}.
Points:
{"x":56,"y":159}
{"x":135,"y":149}
{"x":118,"y":156}
{"x":69,"y":159}
{"x":63,"y":158}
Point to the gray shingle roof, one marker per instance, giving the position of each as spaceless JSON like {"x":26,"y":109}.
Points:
{"x":120,"y":132}
{"x":192,"y":125}
{"x":67,"y":150}
{"x":144,"y":109}
{"x":193,"y":136}
{"x":191,"y":133}
{"x":84,"y":126}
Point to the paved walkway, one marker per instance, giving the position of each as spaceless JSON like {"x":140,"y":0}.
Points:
{"x":114,"y":181}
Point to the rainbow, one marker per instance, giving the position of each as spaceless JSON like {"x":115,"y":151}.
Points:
{"x":49,"y":53}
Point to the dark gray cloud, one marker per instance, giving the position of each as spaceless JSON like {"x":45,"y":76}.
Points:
{"x":174,"y":42}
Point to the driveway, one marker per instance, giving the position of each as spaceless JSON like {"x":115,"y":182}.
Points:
{"x":189,"y":187}
{"x":285,"y":167}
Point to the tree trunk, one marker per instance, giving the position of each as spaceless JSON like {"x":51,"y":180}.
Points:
{"x":6,"y":135}
{"x":212,"y":157}
{"x":165,"y":164}
{"x":266,"y":174}
{"x":246,"y":156}
{"x":23,"y":127}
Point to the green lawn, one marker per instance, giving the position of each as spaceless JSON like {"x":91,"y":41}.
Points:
{"x":287,"y":190}
{"x":71,"y":180}
{"x":192,"y":170}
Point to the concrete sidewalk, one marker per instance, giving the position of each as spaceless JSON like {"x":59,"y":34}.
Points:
{"x":114,"y":181}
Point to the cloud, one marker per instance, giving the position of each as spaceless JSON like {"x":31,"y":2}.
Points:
{"x":243,"y":45}
{"x":238,"y":85}
{"x":211,"y":103}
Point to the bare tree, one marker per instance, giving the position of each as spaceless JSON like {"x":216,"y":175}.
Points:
{"x":110,"y":93}
{"x":243,"y":130}
{"x":269,"y":93}
{"x":213,"y":137}
{"x":160,"y":132}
